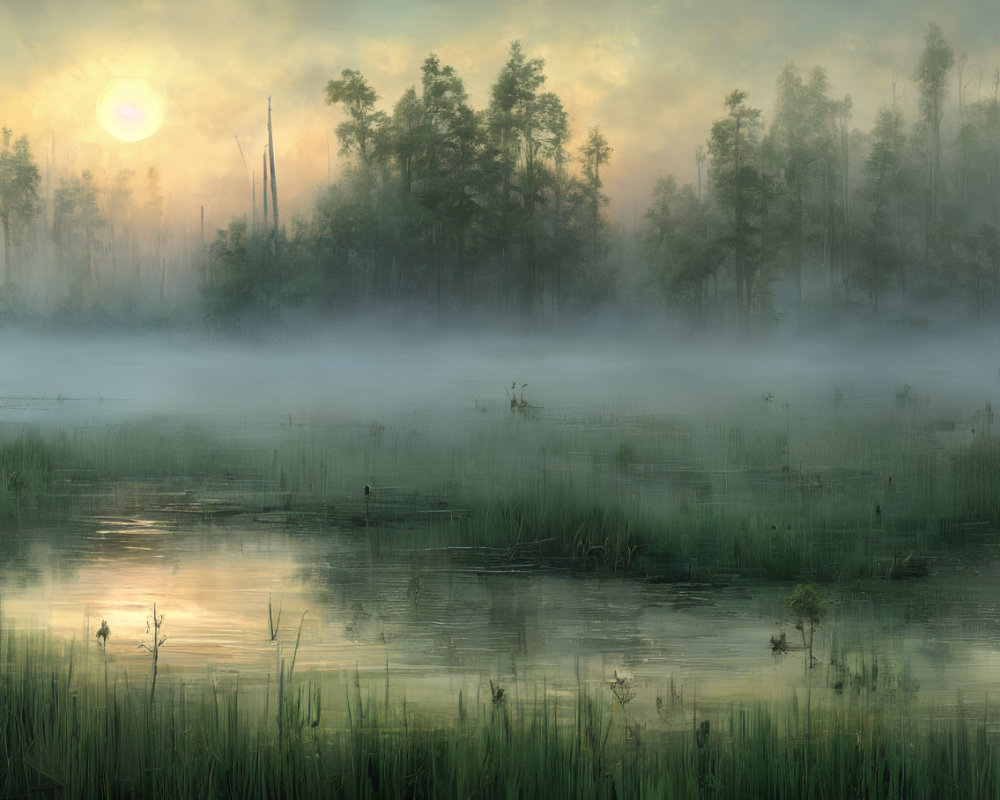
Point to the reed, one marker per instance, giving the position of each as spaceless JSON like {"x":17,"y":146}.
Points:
{"x":758,"y":495}
{"x":69,"y":731}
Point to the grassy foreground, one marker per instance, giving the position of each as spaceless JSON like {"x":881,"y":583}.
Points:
{"x":73,"y":732}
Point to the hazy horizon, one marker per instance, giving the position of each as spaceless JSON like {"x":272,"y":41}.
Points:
{"x":652,"y":75}
{"x":425,"y":375}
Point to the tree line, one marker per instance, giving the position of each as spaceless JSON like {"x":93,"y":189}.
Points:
{"x":89,"y":247}
{"x":833,"y":216}
{"x":465,"y":210}
{"x":441,"y":204}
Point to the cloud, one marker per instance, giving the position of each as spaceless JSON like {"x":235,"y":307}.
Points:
{"x":393,"y":57}
{"x":651,"y":73}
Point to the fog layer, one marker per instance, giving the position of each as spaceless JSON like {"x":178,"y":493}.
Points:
{"x":363,"y":374}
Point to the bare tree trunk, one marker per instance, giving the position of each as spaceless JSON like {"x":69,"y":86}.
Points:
{"x":6,"y":252}
{"x":264,"y":191}
{"x":274,"y":183}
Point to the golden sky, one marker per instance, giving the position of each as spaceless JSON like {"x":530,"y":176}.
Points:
{"x":651,"y":74}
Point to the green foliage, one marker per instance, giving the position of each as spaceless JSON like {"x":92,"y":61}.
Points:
{"x":806,"y":606}
{"x":77,"y":730}
{"x":442,"y":204}
{"x":595,"y":152}
{"x":458,"y":208}
{"x":364,"y":126}
{"x":252,"y":275}
{"x":739,"y":187}
{"x":19,"y":199}
{"x":465,"y":209}
{"x":978,"y":166}
{"x":682,"y":246}
{"x":14,"y":307}
{"x":77,"y":221}
{"x":801,"y":216}
{"x":881,"y":255}
{"x":804,"y":150}
{"x":671,"y":498}
{"x":931,"y":74}
{"x":807,"y":609}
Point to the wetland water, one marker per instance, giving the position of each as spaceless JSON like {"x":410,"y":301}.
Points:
{"x":444,"y":621}
{"x":449,"y":627}
{"x":444,"y":626}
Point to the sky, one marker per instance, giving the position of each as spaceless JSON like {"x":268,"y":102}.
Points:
{"x":651,"y":74}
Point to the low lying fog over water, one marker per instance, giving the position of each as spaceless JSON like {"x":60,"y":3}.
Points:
{"x":365,"y":371}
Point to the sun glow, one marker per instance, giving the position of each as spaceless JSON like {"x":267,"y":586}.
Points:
{"x":130,"y":110}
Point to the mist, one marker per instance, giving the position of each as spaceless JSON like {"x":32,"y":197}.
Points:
{"x":607,"y":388}
{"x":365,"y":371}
{"x":797,"y":219}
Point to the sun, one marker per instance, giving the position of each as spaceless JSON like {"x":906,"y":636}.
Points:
{"x":130,"y":109}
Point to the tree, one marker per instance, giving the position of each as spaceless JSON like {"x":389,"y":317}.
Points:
{"x":842,"y":110}
{"x":359,"y":132}
{"x":351,"y":243}
{"x":979,"y":161}
{"x":972,"y":269}
{"x":446,"y":173}
{"x":805,"y":137}
{"x":682,"y":254}
{"x":884,"y":175}
{"x":738,"y":185}
{"x":19,"y":200}
{"x":458,"y":204}
{"x":76,"y":221}
{"x":595,"y":152}
{"x":447,"y":116}
{"x":513,"y":121}
{"x":807,"y":609}
{"x":243,"y":281}
{"x":931,"y":75}
{"x":118,"y":201}
{"x":235,"y":275}
{"x":150,"y":221}
{"x":555,"y":123}
{"x":407,"y":137}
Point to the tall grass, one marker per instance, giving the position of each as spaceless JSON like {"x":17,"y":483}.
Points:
{"x":73,"y":730}
{"x":762,"y":494}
